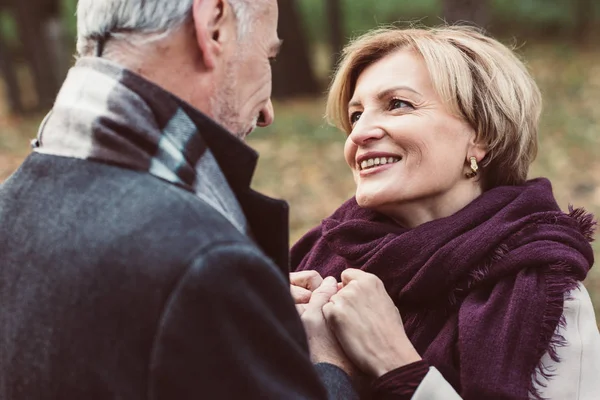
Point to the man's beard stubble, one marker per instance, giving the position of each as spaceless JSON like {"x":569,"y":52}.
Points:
{"x":224,"y":105}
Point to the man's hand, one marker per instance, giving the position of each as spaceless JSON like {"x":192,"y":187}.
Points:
{"x":368,"y":324}
{"x":302,"y":284}
{"x":324,"y":347}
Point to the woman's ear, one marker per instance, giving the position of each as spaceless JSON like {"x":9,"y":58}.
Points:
{"x":477,"y":148}
{"x":213,"y":21}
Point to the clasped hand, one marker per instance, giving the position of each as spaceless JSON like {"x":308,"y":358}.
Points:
{"x":353,"y":324}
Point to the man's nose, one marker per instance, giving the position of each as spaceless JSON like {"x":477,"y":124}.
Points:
{"x":267,"y":115}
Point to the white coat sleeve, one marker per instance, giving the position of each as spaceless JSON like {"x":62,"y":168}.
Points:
{"x":575,"y":377}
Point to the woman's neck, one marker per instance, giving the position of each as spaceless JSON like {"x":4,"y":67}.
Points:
{"x":419,"y":211}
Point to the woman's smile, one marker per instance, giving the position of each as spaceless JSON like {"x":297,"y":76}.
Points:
{"x":405,"y":144}
{"x":374,"y":162}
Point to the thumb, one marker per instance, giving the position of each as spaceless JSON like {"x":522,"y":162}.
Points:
{"x":323,"y":293}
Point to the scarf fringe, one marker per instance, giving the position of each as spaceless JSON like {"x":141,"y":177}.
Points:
{"x":479,"y":274}
{"x":559,"y":282}
{"x":585,"y":220}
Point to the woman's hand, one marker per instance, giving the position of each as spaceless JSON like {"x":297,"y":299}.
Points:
{"x":323,"y":345}
{"x":302,"y":284}
{"x":368,"y":324}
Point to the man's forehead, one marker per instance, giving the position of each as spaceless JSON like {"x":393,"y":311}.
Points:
{"x":266,"y":18}
{"x":270,"y":10}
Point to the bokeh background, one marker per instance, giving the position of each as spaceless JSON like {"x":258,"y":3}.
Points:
{"x":301,"y":156}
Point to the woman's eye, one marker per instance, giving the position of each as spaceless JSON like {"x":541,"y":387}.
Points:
{"x":354,"y":117}
{"x":396,"y":103}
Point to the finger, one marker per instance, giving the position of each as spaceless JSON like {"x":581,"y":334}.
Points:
{"x":331,"y":312}
{"x":323,"y":293}
{"x":340,"y":285}
{"x":306,"y":279}
{"x":328,"y":312}
{"x":351,"y":274}
{"x":300,"y":295}
{"x":301,"y":308}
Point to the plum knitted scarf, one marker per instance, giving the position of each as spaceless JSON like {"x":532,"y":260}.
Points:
{"x":481,"y":292}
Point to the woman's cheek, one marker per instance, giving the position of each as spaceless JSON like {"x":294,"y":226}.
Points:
{"x":349,"y":152}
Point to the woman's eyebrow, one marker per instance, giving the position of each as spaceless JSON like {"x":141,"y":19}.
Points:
{"x":386,"y":93}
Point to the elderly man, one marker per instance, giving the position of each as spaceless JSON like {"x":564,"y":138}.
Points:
{"x":136,"y":262}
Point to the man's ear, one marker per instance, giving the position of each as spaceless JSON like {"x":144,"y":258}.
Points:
{"x":213,"y":21}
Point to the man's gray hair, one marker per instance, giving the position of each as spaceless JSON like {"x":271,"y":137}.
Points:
{"x":97,"y":19}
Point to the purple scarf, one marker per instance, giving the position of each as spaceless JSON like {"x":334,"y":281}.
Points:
{"x":481,"y":292}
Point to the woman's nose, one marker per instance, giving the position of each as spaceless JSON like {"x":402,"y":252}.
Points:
{"x":366,"y":129}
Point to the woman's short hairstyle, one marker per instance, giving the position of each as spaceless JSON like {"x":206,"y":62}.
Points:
{"x":480,"y":79}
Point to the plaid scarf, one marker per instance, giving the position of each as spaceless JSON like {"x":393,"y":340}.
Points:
{"x":108,"y":114}
{"x":481,"y":292}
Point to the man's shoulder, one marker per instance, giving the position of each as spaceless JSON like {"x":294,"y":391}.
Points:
{"x":107,"y":203}
{"x":124,"y":228}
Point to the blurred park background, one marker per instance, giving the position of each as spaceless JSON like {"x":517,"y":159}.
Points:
{"x":301,"y":156}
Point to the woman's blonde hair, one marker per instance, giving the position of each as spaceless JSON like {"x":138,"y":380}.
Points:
{"x":480,"y":79}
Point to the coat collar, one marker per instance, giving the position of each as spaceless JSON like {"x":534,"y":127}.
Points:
{"x":268,"y":218}
{"x":108,"y":114}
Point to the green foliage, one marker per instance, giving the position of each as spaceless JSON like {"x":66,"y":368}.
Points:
{"x":562,"y":12}
{"x":362,"y":15}
{"x":8,"y":28}
{"x":68,"y":14}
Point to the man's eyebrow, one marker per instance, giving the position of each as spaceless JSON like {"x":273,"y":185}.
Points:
{"x":386,"y":93}
{"x":275,"y":48}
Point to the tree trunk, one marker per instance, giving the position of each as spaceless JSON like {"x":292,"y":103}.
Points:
{"x":473,"y":12}
{"x":7,"y":68}
{"x":335,"y":20}
{"x":585,"y":19}
{"x":292,"y":73}
{"x":32,"y":20}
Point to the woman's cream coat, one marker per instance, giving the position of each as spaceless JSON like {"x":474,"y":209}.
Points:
{"x":575,"y":377}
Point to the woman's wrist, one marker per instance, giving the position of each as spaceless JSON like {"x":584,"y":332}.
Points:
{"x":400,"y":383}
{"x":391,"y":360}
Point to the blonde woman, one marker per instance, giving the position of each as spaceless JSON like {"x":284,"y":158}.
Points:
{"x":459,"y":277}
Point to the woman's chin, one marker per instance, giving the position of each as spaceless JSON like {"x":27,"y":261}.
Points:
{"x":368,"y":200}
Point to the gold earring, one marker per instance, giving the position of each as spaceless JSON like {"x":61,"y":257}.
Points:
{"x":474,"y":168}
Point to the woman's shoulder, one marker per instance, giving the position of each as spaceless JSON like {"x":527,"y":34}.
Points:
{"x":576,"y":374}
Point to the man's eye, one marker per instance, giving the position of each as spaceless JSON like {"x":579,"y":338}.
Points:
{"x":397,"y":103}
{"x":354,"y":117}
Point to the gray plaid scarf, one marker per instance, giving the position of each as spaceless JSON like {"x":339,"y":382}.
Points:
{"x":108,"y":114}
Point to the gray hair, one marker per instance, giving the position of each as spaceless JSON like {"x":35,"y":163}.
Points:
{"x":154,"y":19}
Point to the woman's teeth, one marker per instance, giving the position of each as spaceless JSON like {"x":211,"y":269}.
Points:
{"x":375,"y":162}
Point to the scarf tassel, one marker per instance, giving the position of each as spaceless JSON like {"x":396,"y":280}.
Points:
{"x":585,"y":220}
{"x":558,"y":285}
